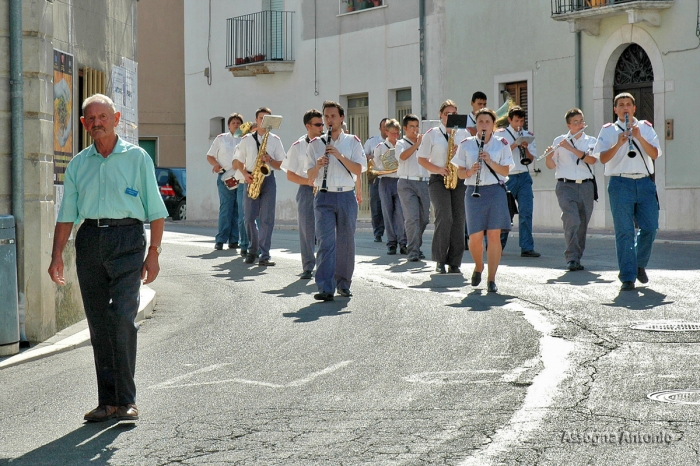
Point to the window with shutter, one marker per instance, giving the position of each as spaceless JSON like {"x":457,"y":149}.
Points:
{"x":518,"y":90}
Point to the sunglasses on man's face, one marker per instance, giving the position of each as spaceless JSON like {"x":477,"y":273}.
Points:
{"x":318,"y":125}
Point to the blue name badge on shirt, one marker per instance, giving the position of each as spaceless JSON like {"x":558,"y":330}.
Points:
{"x":132,"y":192}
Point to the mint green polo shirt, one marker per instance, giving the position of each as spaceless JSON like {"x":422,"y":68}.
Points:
{"x":123,"y":185}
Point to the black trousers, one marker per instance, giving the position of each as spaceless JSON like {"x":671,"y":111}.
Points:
{"x":109,"y":262}
{"x":450,"y":218}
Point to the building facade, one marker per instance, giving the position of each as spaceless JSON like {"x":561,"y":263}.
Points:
{"x":291,"y":56}
{"x":70,"y":50}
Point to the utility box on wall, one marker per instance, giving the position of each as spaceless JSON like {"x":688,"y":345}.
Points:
{"x":9,"y":317}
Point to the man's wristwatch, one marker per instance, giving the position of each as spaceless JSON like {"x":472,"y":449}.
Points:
{"x":157,"y":249}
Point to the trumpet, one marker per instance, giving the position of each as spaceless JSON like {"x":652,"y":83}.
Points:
{"x":476,"y":192}
{"x":524,"y":159}
{"x":631,"y":153}
{"x":552,"y":149}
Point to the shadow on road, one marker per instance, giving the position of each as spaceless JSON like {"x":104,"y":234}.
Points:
{"x":640,"y":299}
{"x":480,"y":300}
{"x":319,"y":309}
{"x":581,"y":277}
{"x":296,"y":288}
{"x":238,"y":271}
{"x":87,"y":445}
{"x":443,"y":282}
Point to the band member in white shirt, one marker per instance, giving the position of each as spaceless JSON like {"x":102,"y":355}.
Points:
{"x":519,"y":180}
{"x":388,"y":192}
{"x":484,"y":160}
{"x":262,"y":208}
{"x":571,"y":155}
{"x":220,"y":157}
{"x":295,"y":166}
{"x":628,"y":152}
{"x":478,"y":102}
{"x":448,"y":204}
{"x":413,"y":187}
{"x":334,"y":166}
{"x":375,"y":203}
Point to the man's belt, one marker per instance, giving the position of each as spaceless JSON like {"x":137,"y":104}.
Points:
{"x":566,"y":180}
{"x":634,"y":176}
{"x":415,"y":178}
{"x":340,"y":189}
{"x":112,"y":222}
{"x":517,"y":173}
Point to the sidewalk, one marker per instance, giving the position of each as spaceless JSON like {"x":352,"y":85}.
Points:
{"x":75,"y":336}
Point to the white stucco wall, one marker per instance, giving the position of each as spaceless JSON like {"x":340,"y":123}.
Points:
{"x":370,"y":60}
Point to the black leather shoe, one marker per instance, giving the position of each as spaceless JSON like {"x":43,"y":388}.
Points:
{"x":476,"y":278}
{"x":421,"y":255}
{"x":249,"y":258}
{"x":219,"y":246}
{"x":266,"y":263}
{"x":403,"y":249}
{"x":323,"y":296}
{"x":491,"y":287}
{"x":233,"y":245}
{"x":572,"y":266}
{"x":377,"y":239}
{"x":306,"y":275}
{"x":627,"y":286}
{"x":579,"y":266}
{"x":412,"y":258}
{"x":451,"y":269}
{"x":391,"y":251}
{"x":244,"y":252}
{"x":642,"y":275}
{"x":440,"y":268}
{"x":530,"y":253}
{"x":344,"y":292}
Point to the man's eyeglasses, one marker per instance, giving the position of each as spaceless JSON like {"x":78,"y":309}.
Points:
{"x":318,"y":125}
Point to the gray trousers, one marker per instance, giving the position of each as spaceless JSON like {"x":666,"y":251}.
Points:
{"x":392,"y":212}
{"x":576,"y":203}
{"x":307,"y":226}
{"x":415,"y":202}
{"x":264,"y":208}
{"x":109,"y":262}
{"x":336,"y":220}
{"x":448,"y":204}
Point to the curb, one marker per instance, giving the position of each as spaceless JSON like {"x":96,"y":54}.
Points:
{"x":78,"y":339}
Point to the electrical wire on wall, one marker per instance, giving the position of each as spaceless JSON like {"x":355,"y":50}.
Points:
{"x":315,"y":52}
{"x":209,"y":46}
{"x":697,"y":34}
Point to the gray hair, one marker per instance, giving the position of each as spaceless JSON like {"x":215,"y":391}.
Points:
{"x":98,"y":99}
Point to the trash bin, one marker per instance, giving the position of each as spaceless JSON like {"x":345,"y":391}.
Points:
{"x":9,"y":318}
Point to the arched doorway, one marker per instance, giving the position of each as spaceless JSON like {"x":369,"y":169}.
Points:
{"x":635,"y":74}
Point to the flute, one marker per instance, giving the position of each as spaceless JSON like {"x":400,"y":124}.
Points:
{"x":573,"y":136}
{"x":481,"y":162}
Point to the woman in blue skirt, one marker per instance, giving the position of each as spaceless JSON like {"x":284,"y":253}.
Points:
{"x":484,"y":161}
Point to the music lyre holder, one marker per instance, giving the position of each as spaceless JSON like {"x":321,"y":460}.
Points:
{"x":456,"y":120}
{"x":271,"y":122}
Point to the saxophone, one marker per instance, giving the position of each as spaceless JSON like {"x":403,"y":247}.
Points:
{"x":451,"y":179}
{"x":260,"y":171}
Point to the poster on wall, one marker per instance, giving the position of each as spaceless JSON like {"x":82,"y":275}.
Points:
{"x":62,"y":114}
{"x":124,"y":95}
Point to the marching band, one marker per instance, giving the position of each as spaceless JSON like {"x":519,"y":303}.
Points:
{"x":469,"y":175}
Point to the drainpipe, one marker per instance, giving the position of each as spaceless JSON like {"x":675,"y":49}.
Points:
{"x":423,"y":87}
{"x":577,"y":65}
{"x":17,"y":105}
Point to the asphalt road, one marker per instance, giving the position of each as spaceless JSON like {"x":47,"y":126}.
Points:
{"x":239,"y":365}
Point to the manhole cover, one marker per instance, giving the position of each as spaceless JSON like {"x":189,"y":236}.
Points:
{"x":688,"y":396}
{"x":667,"y":327}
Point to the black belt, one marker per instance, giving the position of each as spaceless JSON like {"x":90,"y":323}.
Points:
{"x":566,"y":180}
{"x":112,"y":222}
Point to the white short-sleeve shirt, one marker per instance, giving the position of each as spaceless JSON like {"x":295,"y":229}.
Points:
{"x":295,"y":160}
{"x":409,"y":167}
{"x":621,"y":163}
{"x":381,"y":149}
{"x":337,"y":176}
{"x":223,"y":148}
{"x":567,"y":163}
{"x":468,"y":154}
{"x":247,"y":150}
{"x":434,"y":144}
{"x":510,"y":134}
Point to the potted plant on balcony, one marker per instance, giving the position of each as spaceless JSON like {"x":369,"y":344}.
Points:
{"x":377,"y":2}
{"x":351,"y":5}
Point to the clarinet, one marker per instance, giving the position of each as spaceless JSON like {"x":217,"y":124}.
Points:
{"x":631,"y":153}
{"x":478,"y":172}
{"x":524,"y":159}
{"x":324,"y":187}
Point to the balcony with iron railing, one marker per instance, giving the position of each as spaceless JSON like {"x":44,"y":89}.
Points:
{"x":260,"y":43}
{"x":586,"y":15}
